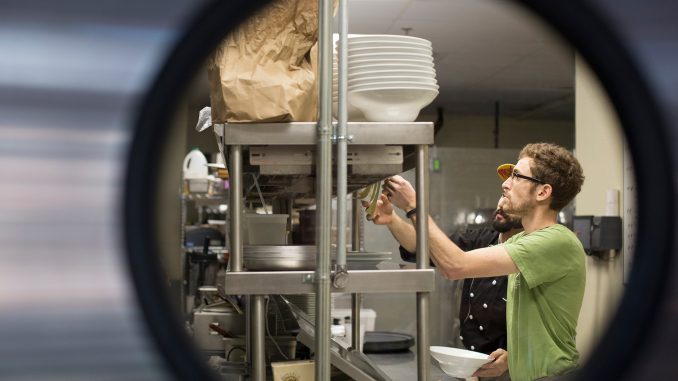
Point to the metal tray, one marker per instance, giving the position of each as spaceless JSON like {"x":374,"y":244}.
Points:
{"x":303,"y":257}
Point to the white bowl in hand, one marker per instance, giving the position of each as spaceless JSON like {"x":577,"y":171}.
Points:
{"x":459,"y":358}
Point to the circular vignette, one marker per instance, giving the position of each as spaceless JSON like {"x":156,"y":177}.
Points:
{"x":647,"y":135}
{"x":197,"y":41}
{"x":643,"y":125}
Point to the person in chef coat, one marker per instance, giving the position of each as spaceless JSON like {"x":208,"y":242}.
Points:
{"x":482,"y":312}
{"x":545,"y":263}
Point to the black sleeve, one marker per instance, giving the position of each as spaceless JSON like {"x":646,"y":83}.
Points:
{"x":469,"y":240}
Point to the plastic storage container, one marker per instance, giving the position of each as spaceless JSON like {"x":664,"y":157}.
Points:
{"x":368,"y":318}
{"x":195,"y":165}
{"x":265,"y":229}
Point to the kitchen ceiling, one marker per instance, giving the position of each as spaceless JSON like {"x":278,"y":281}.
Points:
{"x":485,"y":51}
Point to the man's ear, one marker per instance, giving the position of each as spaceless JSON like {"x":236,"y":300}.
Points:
{"x":544,"y":192}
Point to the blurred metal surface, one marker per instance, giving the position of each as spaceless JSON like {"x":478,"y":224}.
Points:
{"x":71,"y":73}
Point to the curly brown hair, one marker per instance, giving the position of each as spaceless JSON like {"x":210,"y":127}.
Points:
{"x":558,"y":167}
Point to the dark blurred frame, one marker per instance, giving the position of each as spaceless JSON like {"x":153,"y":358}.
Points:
{"x":581,"y":25}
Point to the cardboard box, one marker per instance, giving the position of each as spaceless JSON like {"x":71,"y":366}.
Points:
{"x":303,"y":370}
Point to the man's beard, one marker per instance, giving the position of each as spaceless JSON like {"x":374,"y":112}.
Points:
{"x":516,"y":207}
{"x":508,"y":223}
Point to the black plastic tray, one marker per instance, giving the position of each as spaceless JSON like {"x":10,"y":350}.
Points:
{"x":387,"y":342}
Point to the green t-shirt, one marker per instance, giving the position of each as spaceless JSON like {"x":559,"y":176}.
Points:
{"x":543,"y":302}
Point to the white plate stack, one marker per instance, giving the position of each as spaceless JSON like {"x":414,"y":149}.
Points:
{"x":390,"y":77}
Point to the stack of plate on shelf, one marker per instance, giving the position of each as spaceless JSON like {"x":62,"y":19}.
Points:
{"x":356,"y":260}
{"x":390,"y":77}
{"x":305,"y":302}
{"x":303,"y":257}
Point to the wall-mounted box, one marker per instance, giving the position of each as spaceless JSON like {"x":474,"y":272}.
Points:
{"x":598,"y":233}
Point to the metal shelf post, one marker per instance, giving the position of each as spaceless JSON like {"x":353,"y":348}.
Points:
{"x":423,"y":298}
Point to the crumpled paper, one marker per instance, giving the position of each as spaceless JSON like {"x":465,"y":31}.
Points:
{"x":265,"y":70}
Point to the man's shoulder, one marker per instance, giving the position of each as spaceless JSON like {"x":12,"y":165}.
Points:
{"x":560,"y":234}
{"x":554,"y":237}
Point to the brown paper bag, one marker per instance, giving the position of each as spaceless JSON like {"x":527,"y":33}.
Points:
{"x":265,"y":71}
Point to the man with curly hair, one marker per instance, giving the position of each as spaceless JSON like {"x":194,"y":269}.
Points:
{"x":545,"y":263}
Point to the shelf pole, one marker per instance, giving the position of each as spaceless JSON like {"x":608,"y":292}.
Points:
{"x":258,"y":338}
{"x":324,"y":193}
{"x":235,"y":207}
{"x":356,"y":307}
{"x":341,"y":136}
{"x":423,"y":298}
{"x":356,"y":299}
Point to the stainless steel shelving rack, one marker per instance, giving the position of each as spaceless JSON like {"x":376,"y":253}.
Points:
{"x":196,"y":200}
{"x":233,"y":137}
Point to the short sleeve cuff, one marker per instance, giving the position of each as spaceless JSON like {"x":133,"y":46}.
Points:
{"x":520,"y":262}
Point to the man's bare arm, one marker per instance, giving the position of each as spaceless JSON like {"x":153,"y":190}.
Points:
{"x":454,"y":263}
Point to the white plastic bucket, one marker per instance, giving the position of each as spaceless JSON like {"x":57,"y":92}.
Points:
{"x":195,"y":165}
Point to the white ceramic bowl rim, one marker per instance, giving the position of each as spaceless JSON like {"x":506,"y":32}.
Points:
{"x":364,"y":68}
{"x":371,"y":76}
{"x":394,"y":44}
{"x":381,"y":73}
{"x":361,"y":64}
{"x":398,"y":80}
{"x":390,"y":49}
{"x":390,"y":56}
{"x":382,"y":88}
{"x":398,"y":37}
{"x":456,"y":353}
{"x":353,"y":78}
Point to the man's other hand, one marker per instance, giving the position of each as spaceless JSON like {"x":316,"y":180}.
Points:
{"x":400,"y":192}
{"x":497,"y":365}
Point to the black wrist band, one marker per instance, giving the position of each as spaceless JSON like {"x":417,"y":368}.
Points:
{"x":411,"y":213}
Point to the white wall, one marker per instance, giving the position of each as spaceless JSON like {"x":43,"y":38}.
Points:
{"x":599,"y":143}
{"x":477,"y":131}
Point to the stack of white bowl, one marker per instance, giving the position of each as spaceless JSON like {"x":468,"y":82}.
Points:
{"x":390,"y":77}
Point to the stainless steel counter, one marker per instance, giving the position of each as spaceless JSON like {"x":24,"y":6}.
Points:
{"x":403,"y":367}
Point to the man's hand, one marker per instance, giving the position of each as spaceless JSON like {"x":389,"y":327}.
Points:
{"x":400,"y":192}
{"x":383,"y":213}
{"x":497,"y":366}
